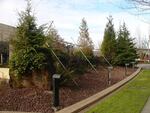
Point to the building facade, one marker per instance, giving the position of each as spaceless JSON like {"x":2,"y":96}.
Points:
{"x":6,"y":34}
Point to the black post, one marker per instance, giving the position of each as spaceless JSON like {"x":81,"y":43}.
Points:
{"x":126,"y":66}
{"x":56,"y":78}
{"x":109,"y":75}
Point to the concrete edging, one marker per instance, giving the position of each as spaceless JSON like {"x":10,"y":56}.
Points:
{"x":92,"y":99}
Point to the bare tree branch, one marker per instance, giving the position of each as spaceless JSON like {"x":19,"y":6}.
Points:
{"x":141,"y":3}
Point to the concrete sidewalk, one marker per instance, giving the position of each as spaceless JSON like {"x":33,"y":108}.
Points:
{"x":146,"y":108}
{"x":144,"y":66}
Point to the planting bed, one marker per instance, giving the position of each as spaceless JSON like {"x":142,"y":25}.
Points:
{"x":33,"y":99}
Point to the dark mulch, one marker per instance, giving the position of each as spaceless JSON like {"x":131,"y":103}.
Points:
{"x":27,"y":99}
{"x":89,"y":84}
{"x":38,"y":100}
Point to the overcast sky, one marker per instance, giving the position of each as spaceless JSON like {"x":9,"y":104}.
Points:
{"x":67,"y":15}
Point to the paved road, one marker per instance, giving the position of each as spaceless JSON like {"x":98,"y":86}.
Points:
{"x":146,"y":108}
{"x":144,"y":66}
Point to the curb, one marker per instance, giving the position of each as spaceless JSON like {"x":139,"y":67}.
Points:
{"x":96,"y":97}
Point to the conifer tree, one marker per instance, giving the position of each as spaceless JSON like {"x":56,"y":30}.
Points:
{"x":126,"y":51}
{"x":29,"y":53}
{"x":84,"y":39}
{"x":55,"y":40}
{"x":108,"y":47}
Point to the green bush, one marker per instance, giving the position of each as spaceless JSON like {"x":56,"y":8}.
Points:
{"x":26,"y":60}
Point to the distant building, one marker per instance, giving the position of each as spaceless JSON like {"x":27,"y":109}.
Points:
{"x":6,"y":34}
{"x":144,"y":54}
{"x":141,"y":50}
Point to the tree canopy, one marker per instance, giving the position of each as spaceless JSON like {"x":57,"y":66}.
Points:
{"x":126,"y":51}
{"x":108,"y":47}
{"x":27,"y":44}
{"x":84,"y":40}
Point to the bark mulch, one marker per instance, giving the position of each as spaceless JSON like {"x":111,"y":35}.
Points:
{"x":38,"y":100}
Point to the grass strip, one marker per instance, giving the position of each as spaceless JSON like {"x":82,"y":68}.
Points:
{"x":130,"y":99}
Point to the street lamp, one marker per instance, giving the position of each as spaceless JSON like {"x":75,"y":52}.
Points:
{"x":56,"y":80}
{"x":109,"y":74}
{"x":126,"y":66}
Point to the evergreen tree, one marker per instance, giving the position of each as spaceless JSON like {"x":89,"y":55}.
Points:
{"x":57,"y":44}
{"x":55,"y":40}
{"x":29,"y":53}
{"x":108,"y":47}
{"x":126,"y":51}
{"x":84,"y":39}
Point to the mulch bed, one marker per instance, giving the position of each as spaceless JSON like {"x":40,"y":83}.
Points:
{"x":38,"y":100}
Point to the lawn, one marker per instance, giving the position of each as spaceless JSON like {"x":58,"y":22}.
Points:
{"x":130,"y":99}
